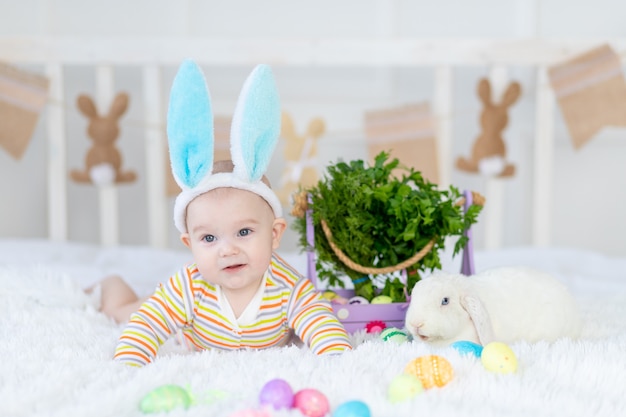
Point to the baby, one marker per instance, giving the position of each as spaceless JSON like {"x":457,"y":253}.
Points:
{"x":237,"y":293}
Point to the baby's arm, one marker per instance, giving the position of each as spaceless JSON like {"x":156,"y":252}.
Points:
{"x":313,"y":321}
{"x":155,"y":321}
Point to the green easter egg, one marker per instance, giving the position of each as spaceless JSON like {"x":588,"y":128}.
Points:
{"x":165,"y":398}
{"x":393,"y":334}
{"x":404,"y":387}
{"x":382,"y":299}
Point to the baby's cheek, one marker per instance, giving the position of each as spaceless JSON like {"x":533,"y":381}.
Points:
{"x":207,"y":272}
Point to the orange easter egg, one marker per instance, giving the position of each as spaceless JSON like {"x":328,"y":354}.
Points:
{"x":432,"y":370}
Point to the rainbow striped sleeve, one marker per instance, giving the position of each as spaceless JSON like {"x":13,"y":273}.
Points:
{"x":313,"y":320}
{"x":167,"y":310}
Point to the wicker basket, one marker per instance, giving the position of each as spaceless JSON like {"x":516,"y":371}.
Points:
{"x":357,"y":316}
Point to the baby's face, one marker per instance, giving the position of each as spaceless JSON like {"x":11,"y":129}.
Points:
{"x":231,"y":234}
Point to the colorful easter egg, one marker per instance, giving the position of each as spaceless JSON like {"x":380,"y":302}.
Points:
{"x":277,"y":393}
{"x":329,"y":295}
{"x":498,"y":357}
{"x":358,"y":300}
{"x":353,"y":408}
{"x":334,"y":298}
{"x":404,"y":387}
{"x":311,"y":402}
{"x":431,"y":370}
{"x":465,"y":347}
{"x":393,"y":334}
{"x":251,"y":412}
{"x":382,"y":299}
{"x":165,"y":398}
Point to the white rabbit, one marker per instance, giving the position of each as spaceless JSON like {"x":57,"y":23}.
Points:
{"x":502,"y":304}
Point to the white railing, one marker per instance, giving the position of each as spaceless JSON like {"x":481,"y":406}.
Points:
{"x":154,"y":53}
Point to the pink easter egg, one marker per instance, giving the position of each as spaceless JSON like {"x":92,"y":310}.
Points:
{"x":250,"y":412}
{"x":311,"y":402}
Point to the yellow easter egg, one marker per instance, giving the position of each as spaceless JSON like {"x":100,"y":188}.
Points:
{"x":329,"y":295}
{"x":431,"y":370}
{"x":498,"y":357}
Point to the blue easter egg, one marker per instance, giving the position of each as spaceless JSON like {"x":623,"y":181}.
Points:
{"x":465,"y":347}
{"x":353,"y":408}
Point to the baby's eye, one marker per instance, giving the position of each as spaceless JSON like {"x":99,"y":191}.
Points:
{"x":209,"y":238}
{"x":245,"y":232}
{"x":445,"y":301}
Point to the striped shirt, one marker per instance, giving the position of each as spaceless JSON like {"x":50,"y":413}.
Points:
{"x":189,"y":304}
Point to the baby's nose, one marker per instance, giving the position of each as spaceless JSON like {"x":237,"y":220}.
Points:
{"x":228,"y":248}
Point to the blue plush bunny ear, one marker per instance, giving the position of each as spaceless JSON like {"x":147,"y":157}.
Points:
{"x":190,"y":126}
{"x":256,"y":125}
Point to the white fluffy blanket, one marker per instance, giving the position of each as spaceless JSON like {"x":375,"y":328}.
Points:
{"x":55,"y":360}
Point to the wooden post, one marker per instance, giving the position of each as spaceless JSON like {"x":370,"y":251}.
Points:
{"x":155,"y":157}
{"x":494,"y":209}
{"x":57,"y":164}
{"x":543,"y":160}
{"x":443,"y":110}
{"x":108,"y":194}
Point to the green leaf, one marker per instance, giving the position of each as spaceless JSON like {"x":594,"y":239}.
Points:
{"x":381,"y":215}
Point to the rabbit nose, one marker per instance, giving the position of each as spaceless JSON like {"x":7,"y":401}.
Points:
{"x":417,"y":326}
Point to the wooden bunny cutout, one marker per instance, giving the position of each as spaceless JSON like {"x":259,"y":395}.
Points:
{"x":489,"y":150}
{"x":300,"y":152}
{"x":103,"y":161}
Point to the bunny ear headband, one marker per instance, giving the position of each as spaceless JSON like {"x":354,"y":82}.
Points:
{"x":254,"y":133}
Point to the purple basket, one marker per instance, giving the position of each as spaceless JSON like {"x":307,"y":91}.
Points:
{"x":357,"y":316}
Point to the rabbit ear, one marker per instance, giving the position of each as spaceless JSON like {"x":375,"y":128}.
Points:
{"x":316,"y":128}
{"x":119,"y":106}
{"x":511,"y":94}
{"x":287,"y":128}
{"x":86,"y":106}
{"x":256,"y":125}
{"x":479,"y":315}
{"x":484,"y":91}
{"x":190,"y":126}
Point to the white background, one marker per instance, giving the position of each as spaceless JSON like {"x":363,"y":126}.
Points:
{"x":588,"y":184}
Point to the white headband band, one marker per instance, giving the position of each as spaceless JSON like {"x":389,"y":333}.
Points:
{"x":221,"y":180}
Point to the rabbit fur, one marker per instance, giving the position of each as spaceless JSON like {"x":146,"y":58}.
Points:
{"x":505,"y":304}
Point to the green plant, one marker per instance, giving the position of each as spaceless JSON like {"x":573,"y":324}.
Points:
{"x":379,"y":219}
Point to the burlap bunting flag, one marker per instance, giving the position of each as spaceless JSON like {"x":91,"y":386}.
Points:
{"x":407,"y":133}
{"x":591,"y":92}
{"x":22,"y":98}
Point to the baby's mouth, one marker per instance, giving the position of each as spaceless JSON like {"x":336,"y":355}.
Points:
{"x":234,"y":267}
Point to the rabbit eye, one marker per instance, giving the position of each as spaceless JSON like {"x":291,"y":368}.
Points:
{"x":445,"y":301}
